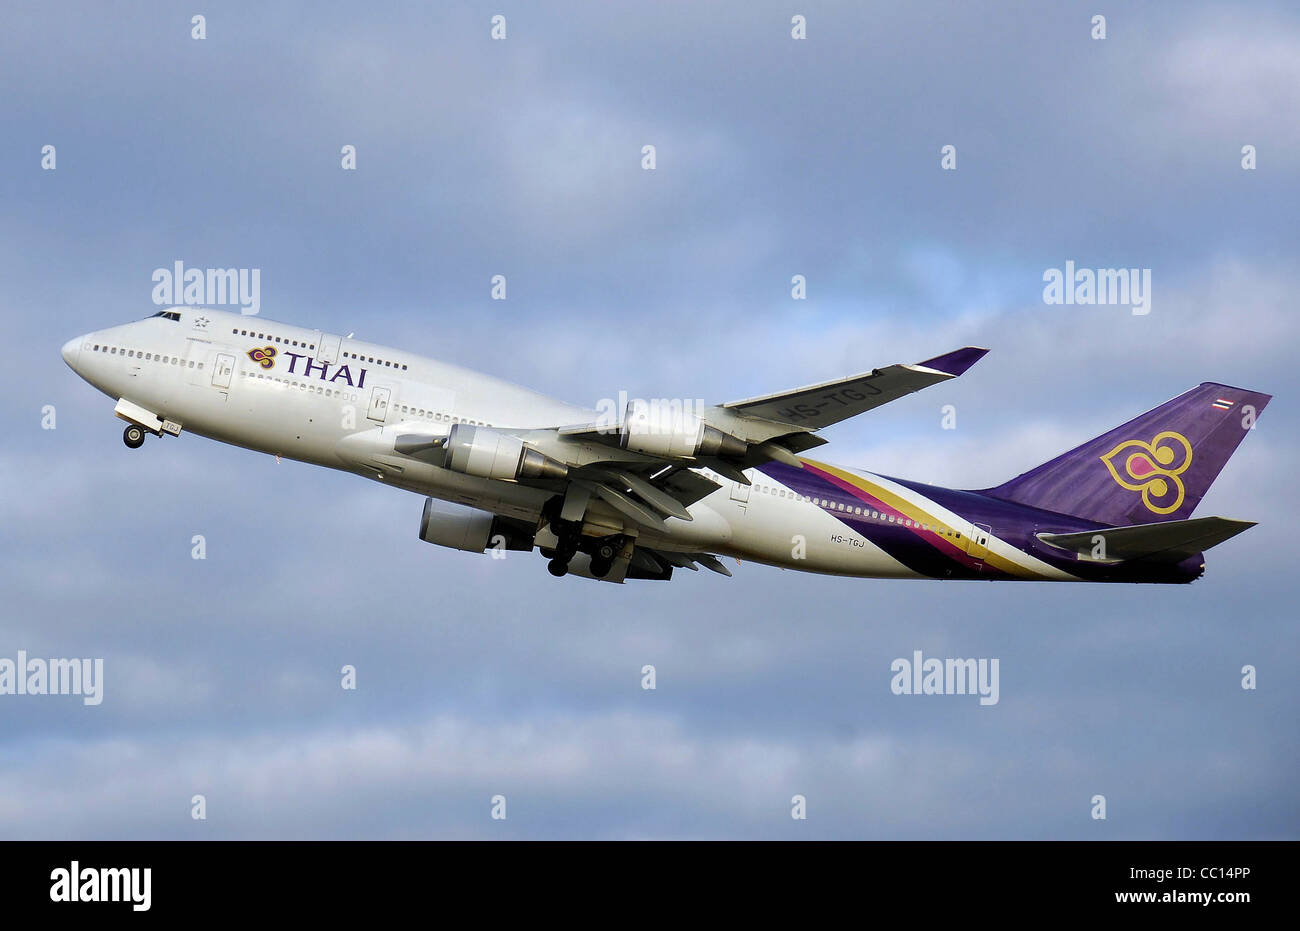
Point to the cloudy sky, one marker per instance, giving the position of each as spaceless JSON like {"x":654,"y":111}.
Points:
{"x":522,"y":157}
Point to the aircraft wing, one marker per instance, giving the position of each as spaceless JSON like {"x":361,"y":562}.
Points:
{"x":648,"y":466}
{"x":821,"y":405}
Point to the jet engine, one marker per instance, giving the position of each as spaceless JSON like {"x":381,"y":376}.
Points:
{"x":668,"y":429}
{"x":488,"y":453}
{"x":469,"y":529}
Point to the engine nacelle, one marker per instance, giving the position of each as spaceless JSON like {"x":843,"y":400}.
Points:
{"x":488,"y":453}
{"x":465,"y":528}
{"x":668,"y":429}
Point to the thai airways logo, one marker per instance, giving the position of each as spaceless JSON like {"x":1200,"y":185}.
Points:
{"x":265,"y":357}
{"x":1153,"y":469}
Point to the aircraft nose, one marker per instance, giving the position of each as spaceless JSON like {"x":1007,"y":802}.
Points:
{"x":72,"y":352}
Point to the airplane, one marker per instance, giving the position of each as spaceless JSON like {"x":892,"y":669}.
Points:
{"x":639,"y":491}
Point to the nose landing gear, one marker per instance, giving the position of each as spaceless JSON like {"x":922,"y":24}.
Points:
{"x":133,"y":436}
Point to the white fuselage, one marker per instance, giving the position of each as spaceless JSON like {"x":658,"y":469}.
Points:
{"x":341,"y":403}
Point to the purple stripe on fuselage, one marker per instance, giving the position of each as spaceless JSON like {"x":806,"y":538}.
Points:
{"x":922,"y":551}
{"x":945,"y":545}
{"x":1013,"y":523}
{"x":1019,"y":524}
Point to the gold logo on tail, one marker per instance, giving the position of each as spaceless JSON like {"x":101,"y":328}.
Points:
{"x":1154,"y":469}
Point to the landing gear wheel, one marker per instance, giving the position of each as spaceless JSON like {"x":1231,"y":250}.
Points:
{"x":605,"y":553}
{"x":600,"y":567}
{"x":558,"y":567}
{"x":133,"y":436}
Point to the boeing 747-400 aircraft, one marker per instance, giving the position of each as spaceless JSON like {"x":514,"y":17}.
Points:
{"x":658,"y":486}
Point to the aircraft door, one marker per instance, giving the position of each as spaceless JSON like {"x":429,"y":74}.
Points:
{"x":222,"y":370}
{"x":327,"y":347}
{"x":739,"y":493}
{"x":977,"y":541}
{"x":379,"y":399}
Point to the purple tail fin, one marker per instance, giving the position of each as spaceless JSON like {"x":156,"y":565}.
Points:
{"x":1156,"y":467}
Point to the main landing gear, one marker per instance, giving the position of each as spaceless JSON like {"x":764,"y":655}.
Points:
{"x":569,"y":533}
{"x":133,"y":436}
{"x":604,"y":551}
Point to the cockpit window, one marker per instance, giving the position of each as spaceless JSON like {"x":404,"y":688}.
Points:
{"x":167,"y":315}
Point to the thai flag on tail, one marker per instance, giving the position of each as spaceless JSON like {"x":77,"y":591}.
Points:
{"x":1222,"y":404}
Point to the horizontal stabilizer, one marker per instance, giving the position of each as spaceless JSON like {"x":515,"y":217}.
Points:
{"x":1168,"y":541}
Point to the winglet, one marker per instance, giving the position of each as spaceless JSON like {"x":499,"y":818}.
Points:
{"x":956,"y":362}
